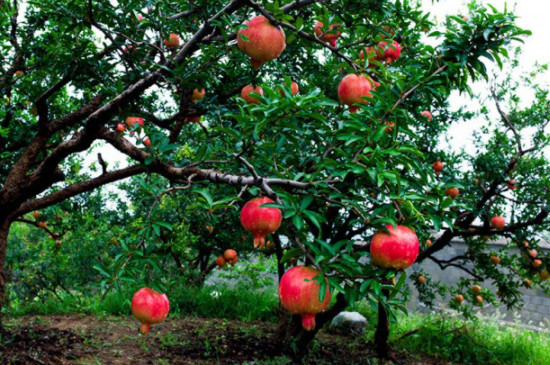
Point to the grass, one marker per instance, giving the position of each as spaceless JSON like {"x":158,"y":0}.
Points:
{"x":471,"y":342}
{"x":480,"y":341}
{"x":209,"y":302}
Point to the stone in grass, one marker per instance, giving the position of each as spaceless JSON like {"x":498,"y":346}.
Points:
{"x":348,"y":323}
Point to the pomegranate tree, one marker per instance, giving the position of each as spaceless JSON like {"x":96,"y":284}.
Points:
{"x":260,"y":221}
{"x":353,"y":89}
{"x":397,"y":249}
{"x":150,"y":307}
{"x":299,"y":294}
{"x":261,"y":41}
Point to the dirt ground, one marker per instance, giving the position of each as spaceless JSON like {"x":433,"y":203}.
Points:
{"x":72,"y":339}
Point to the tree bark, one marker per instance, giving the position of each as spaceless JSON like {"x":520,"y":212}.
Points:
{"x":294,"y":340}
{"x":4,"y":231}
{"x":382,"y":333}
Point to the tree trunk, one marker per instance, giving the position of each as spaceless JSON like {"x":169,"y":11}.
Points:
{"x":294,"y":340}
{"x":4,"y":231}
{"x":382,"y":333}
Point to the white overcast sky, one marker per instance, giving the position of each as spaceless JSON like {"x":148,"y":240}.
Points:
{"x":533,"y":15}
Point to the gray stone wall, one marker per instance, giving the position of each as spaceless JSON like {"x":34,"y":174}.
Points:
{"x":536,"y":309}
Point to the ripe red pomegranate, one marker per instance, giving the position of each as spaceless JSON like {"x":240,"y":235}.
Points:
{"x":251,"y":89}
{"x":479,"y":299}
{"x":438,"y":167}
{"x":373,"y":54}
{"x":498,"y":222}
{"x":395,"y":250}
{"x":139,"y":17}
{"x":293,"y":89}
{"x":264,"y":41}
{"x":390,"y":52}
{"x":452,"y":192}
{"x":476,"y":289}
{"x":230,"y":256}
{"x":197,"y":95}
{"x":427,"y":114}
{"x":329,"y":35}
{"x":131,"y":121}
{"x":536,"y":263}
{"x":42,"y":225}
{"x":421,"y":279}
{"x":172,"y":41}
{"x":495,"y":260}
{"x":532,"y":253}
{"x":150,"y":307}
{"x":260,"y":221}
{"x":147,"y":141}
{"x":36,"y":214}
{"x":353,"y":88}
{"x":120,"y":128}
{"x":220,"y":261}
{"x":459,"y":298}
{"x":301,"y":297}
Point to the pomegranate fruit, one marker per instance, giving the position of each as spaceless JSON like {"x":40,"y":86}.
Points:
{"x":293,"y":89}
{"x":511,"y":184}
{"x":452,"y":192}
{"x":147,"y":141}
{"x":230,"y":256}
{"x":251,"y":89}
{"x":495,"y":260}
{"x":528,"y":283}
{"x":220,"y":261}
{"x":429,"y":243}
{"x":544,"y":275}
{"x":42,"y":224}
{"x":150,"y":307}
{"x":260,"y":221}
{"x":353,"y":88}
{"x":197,"y":95}
{"x":390,"y":52}
{"x":172,"y":41}
{"x":476,"y":289}
{"x":427,"y":114}
{"x":498,"y":222}
{"x":459,"y":298}
{"x":131,"y":121}
{"x":120,"y":128}
{"x":301,"y":297}
{"x":479,"y":299}
{"x":532,"y":253}
{"x":438,"y":167}
{"x":397,"y":249}
{"x":36,"y":214}
{"x":421,"y":279}
{"x":262,"y":41}
{"x":329,"y":35}
{"x":536,"y":263}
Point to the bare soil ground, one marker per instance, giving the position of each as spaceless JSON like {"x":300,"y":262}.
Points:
{"x":73,"y":339}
